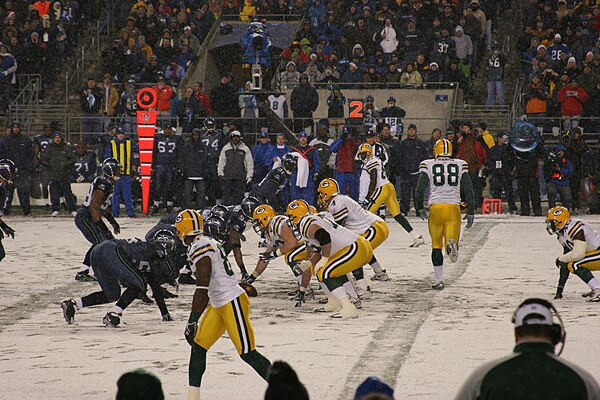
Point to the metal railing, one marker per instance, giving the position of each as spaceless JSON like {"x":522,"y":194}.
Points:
{"x":28,"y":86}
{"x":268,"y":17}
{"x":387,"y":85}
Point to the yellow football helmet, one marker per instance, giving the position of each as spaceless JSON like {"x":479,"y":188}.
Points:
{"x":556,"y":219}
{"x":442,"y":148}
{"x":365,"y":151}
{"x":328,"y":189}
{"x":296,"y":210}
{"x":189,"y":223}
{"x":261,"y":217}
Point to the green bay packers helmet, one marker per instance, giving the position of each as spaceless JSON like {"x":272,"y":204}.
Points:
{"x":556,"y":219}
{"x":189,"y":223}
{"x":296,"y":210}
{"x":442,"y":148}
{"x":328,"y":189}
{"x":365,"y":151}
{"x":261,"y":217}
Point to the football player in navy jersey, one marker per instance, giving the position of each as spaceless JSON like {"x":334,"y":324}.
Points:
{"x":98,"y":204}
{"x":166,"y":148}
{"x":267,"y":190}
{"x":5,"y":180}
{"x":85,"y":163}
{"x":134,"y":264}
{"x":214,"y":139}
{"x":40,"y":143}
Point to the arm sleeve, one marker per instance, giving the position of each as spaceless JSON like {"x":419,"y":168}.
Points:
{"x":420,"y":192}
{"x":221,"y":163}
{"x":564,"y":275}
{"x":335,"y":146}
{"x":466,"y":187}
{"x":578,"y":252}
{"x":249,"y":164}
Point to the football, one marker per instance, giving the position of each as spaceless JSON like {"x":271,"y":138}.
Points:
{"x":250,"y":290}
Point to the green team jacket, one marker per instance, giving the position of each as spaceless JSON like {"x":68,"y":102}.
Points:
{"x":532,"y":372}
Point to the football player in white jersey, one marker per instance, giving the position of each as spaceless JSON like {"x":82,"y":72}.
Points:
{"x":352,"y":216}
{"x":446,"y":179}
{"x":281,"y":240}
{"x":229,"y":308}
{"x":382,"y":191}
{"x":581,"y":250}
{"x":342,"y":252}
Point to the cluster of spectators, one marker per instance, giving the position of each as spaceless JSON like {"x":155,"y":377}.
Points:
{"x":376,"y":43}
{"x":36,"y":37}
{"x":560,"y":50}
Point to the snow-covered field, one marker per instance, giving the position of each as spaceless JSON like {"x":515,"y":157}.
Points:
{"x":422,"y":342}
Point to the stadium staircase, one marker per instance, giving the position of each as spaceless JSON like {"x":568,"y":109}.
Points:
{"x":498,"y":118}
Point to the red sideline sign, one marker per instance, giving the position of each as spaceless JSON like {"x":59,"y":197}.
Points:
{"x":146,"y":123}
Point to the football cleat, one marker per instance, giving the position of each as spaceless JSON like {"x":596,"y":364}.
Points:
{"x":145,"y":299}
{"x":418,"y":242}
{"x":595,"y":296}
{"x":186,"y":279}
{"x":357,"y":302}
{"x":364,"y":294}
{"x":348,"y":310}
{"x":69,"y":308}
{"x":438,"y":286}
{"x":112,"y":319}
{"x":55,"y":213}
{"x":452,"y":250}
{"x":84,"y":276}
{"x":381,"y":276}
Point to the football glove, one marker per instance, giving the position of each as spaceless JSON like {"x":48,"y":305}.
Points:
{"x":167,"y":318}
{"x":424,"y":214}
{"x":469,"y":218}
{"x":267,"y":256}
{"x":249,"y":279}
{"x":7,"y":230}
{"x":300,"y":299}
{"x":190,"y":332}
{"x":560,"y":264}
{"x":116,"y":227}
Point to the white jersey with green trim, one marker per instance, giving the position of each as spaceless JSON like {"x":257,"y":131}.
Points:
{"x":444,"y":176}
{"x":273,"y":235}
{"x":566,"y":236}
{"x":223,"y":287}
{"x":340,"y":236}
{"x":351,"y":215}
{"x":374,"y":163}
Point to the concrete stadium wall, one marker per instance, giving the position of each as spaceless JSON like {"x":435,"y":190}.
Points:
{"x":426,"y":108}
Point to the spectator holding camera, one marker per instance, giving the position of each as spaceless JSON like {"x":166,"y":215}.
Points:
{"x":571,"y":98}
{"x":558,"y":171}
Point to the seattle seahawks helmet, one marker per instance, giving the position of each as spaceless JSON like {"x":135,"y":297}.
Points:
{"x":289,"y":163}
{"x":111,"y":168}
{"x":216,"y":228}
{"x":221,"y":211}
{"x":5,"y":173}
{"x":248,"y":205}
{"x":210,"y":124}
{"x":165,"y":241}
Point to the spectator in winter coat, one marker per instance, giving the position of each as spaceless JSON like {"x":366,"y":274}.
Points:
{"x":110,"y":100}
{"x":392,"y":74}
{"x":571,"y":99}
{"x":536,"y":96}
{"x":410,"y":75}
{"x":408,"y":155}
{"x":202,"y":97}
{"x":304,"y":101}
{"x":164,"y":93}
{"x":290,"y":78}
{"x":235,"y":169}
{"x":352,"y":77}
{"x":557,"y":173}
{"x":223,"y":99}
{"x":262,"y":155}
{"x":500,"y":164}
{"x":90,"y":99}
{"x":193,"y":160}
{"x":19,"y":149}
{"x":463,"y":46}
{"x":433,"y":75}
{"x":473,"y":152}
{"x":189,"y":111}
{"x":174,"y":73}
{"x":59,"y":159}
{"x":389,"y":39}
{"x":310,"y":154}
{"x":345,"y":148}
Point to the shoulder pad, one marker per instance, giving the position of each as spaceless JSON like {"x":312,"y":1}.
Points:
{"x":200,"y":247}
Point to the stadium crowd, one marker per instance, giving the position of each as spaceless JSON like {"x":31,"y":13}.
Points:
{"x":560,"y":52}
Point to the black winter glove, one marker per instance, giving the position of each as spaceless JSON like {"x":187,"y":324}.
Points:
{"x":190,"y":332}
{"x":7,"y":230}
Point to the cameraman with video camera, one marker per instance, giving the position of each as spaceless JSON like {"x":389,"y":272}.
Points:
{"x":557,"y":173}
